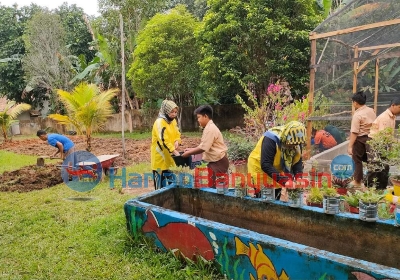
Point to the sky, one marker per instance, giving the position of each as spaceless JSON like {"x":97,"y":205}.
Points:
{"x":89,"y":6}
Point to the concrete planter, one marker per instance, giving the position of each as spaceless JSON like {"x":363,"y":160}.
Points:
{"x":251,"y":239}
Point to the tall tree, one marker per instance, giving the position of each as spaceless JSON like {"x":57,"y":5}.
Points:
{"x":252,"y":41}
{"x":166,"y":58}
{"x":78,"y":36}
{"x":46,"y":63}
{"x":12,"y":49}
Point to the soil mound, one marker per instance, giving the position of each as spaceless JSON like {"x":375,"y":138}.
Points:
{"x":30,"y":178}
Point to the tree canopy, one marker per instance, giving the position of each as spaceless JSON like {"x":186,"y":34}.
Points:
{"x":253,"y":41}
{"x":166,"y":57}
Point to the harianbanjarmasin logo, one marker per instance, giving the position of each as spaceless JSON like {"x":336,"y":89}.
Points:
{"x":203,"y":178}
{"x":81,"y":171}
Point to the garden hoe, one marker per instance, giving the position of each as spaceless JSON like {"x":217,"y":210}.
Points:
{"x":40,"y":160}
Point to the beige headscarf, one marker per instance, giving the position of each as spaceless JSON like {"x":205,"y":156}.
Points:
{"x":166,"y":107}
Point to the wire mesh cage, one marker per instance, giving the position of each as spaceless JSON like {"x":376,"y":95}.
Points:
{"x":358,"y":48}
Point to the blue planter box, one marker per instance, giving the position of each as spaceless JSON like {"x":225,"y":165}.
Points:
{"x":251,"y":239}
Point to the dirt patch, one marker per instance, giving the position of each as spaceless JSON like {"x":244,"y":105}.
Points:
{"x":30,"y":178}
{"x":35,"y":178}
{"x":137,"y":150}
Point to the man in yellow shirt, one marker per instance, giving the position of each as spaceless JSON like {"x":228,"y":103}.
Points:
{"x":212,"y":144}
{"x":385,"y":120}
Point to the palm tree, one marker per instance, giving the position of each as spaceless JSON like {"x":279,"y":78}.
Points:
{"x":9,"y":115}
{"x":87,"y":109}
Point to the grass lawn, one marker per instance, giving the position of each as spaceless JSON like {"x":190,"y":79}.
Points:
{"x":9,"y":161}
{"x":56,"y":234}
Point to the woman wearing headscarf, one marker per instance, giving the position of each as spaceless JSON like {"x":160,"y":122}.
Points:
{"x":165,"y":140}
{"x":278,"y":152}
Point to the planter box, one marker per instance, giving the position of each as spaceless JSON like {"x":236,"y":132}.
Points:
{"x":248,"y":237}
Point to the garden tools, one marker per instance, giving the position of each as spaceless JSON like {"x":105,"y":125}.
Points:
{"x":40,"y":160}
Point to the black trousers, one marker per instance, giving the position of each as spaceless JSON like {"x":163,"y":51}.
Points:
{"x":360,"y":155}
{"x":160,"y":179}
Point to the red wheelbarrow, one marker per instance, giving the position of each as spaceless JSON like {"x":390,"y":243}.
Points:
{"x":106,"y":161}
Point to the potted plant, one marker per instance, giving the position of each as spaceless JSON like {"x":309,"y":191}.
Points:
{"x":385,"y":150}
{"x":315,"y":197}
{"x":353,"y":201}
{"x":340,"y":184}
{"x":385,"y":211}
{"x":295,"y":196}
{"x":330,"y":202}
{"x":200,"y":171}
{"x":316,"y":181}
{"x":267,"y":193}
{"x":368,"y":204}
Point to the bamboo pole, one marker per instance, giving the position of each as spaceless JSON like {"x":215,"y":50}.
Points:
{"x":314,"y":35}
{"x":355,"y":74}
{"x":121,"y":26}
{"x":376,"y":86}
{"x":311,"y":96}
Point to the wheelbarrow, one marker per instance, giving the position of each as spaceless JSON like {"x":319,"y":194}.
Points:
{"x":106,"y":161}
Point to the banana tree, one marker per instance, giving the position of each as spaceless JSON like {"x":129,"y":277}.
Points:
{"x":87,"y":109}
{"x":9,"y":115}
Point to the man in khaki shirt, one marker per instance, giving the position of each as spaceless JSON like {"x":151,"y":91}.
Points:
{"x":360,"y":127}
{"x":212,"y":144}
{"x":383,"y":121}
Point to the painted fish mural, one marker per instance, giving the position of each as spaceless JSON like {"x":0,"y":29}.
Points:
{"x":364,"y":276}
{"x":188,"y":239}
{"x":261,"y":263}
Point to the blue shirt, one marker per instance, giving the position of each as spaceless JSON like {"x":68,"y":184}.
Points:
{"x":52,"y":139}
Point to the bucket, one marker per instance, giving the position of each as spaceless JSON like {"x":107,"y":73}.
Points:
{"x":397,"y":215}
{"x":368,"y":211}
{"x":268,"y":194}
{"x":296,"y":201}
{"x":330,"y":205}
{"x":221,"y":188}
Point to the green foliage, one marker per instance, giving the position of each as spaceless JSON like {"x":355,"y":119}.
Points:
{"x":385,"y":149}
{"x":87,"y":109}
{"x":328,"y":192}
{"x":10,"y":161}
{"x":371,"y":195}
{"x":239,"y":148}
{"x":12,"y":49}
{"x":315,"y":195}
{"x":77,"y":35}
{"x":46,"y":63}
{"x":352,"y":199}
{"x":9,"y":115}
{"x":76,"y":239}
{"x":166,"y":58}
{"x":252,"y":41}
{"x":384,"y":211}
{"x":294,"y":193}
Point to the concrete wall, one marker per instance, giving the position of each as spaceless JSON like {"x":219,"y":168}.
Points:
{"x":225,"y":117}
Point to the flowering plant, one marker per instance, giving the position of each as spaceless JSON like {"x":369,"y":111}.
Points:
{"x":263,"y":113}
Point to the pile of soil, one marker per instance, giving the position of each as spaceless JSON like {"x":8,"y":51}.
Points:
{"x":34,"y":178}
{"x":30,"y":178}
